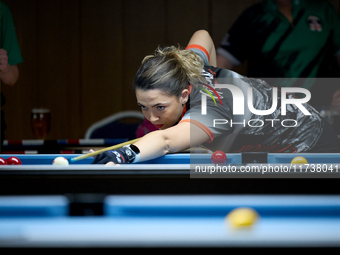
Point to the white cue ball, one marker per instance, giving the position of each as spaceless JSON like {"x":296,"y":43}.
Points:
{"x":61,"y":161}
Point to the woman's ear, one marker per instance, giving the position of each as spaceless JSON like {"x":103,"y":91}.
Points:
{"x":184,"y":96}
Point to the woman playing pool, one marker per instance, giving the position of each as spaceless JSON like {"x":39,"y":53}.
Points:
{"x":169,"y":86}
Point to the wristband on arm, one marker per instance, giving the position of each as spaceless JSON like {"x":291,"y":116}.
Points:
{"x":125,"y":155}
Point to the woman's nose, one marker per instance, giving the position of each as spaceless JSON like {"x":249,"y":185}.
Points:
{"x":153,"y":117}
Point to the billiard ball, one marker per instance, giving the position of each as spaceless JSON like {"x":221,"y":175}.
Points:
{"x":299,"y":160}
{"x":242,"y":217}
{"x":3,"y":161}
{"x":13,"y":161}
{"x":218,"y":157}
{"x":61,"y":161}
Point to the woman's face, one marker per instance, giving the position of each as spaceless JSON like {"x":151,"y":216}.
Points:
{"x":161,"y":109}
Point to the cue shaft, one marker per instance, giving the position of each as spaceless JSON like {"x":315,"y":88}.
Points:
{"x":115,"y":147}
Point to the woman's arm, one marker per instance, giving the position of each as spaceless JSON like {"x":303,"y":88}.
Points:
{"x":203,"y":38}
{"x":156,"y":144}
{"x":175,"y":139}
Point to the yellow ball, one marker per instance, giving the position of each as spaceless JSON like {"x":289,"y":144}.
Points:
{"x":242,"y":217}
{"x":299,"y":160}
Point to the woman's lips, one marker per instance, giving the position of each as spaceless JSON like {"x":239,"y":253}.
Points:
{"x":159,"y":125}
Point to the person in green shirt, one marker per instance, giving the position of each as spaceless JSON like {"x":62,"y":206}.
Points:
{"x":10,"y":55}
{"x":287,"y":39}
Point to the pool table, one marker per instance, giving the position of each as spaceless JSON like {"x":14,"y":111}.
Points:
{"x":171,"y":221}
{"x":171,"y":174}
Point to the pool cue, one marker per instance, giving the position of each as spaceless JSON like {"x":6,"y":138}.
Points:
{"x":91,"y":154}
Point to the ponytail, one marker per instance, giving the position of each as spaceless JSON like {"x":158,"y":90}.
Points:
{"x":170,"y":69}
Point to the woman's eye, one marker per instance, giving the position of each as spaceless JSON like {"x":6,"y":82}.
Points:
{"x":143,"y":107}
{"x":160,"y":108}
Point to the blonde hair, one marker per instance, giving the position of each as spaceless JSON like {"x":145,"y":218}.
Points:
{"x":170,"y":69}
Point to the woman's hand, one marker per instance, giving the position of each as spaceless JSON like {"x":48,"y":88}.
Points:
{"x":126,"y":155}
{"x":110,"y":163}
